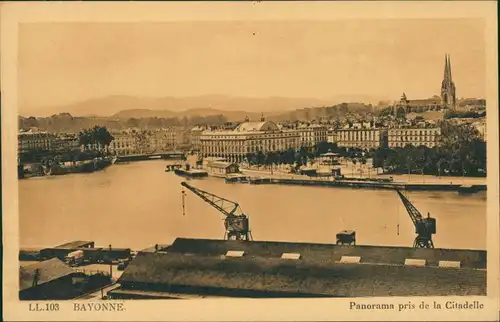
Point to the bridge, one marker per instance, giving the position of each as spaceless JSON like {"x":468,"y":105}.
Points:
{"x":172,"y":155}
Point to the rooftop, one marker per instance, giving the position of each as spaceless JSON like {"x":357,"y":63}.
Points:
{"x":257,"y":127}
{"x":475,"y":259}
{"x":250,"y":276}
{"x":219,"y":164}
{"x":76,"y":244}
{"x":49,"y":270}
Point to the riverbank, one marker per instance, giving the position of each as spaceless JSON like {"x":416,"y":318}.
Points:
{"x":397,"y":178}
{"x":402,"y":182}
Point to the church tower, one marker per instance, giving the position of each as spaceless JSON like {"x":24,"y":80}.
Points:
{"x":448,"y":97}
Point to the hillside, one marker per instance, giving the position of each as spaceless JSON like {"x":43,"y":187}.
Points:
{"x":192,"y":113}
{"x":124,"y":106}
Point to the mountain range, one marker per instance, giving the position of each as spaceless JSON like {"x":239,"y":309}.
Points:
{"x":233,"y":108}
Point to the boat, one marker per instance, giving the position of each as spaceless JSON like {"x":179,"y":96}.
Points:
{"x":172,"y":167}
{"x":237,"y":178}
{"x":192,"y":173}
{"x":259,"y":180}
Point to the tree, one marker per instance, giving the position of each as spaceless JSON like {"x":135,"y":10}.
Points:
{"x":400,"y":113}
{"x":96,"y":138}
{"x":141,"y":140}
{"x":362,"y":161}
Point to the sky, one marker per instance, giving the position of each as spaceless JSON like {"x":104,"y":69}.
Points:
{"x":64,"y":63}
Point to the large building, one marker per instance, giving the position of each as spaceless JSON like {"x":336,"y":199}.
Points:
{"x":248,"y":137}
{"x":418,"y":105}
{"x":401,"y":137}
{"x":363,"y":138}
{"x":194,"y":138}
{"x":65,"y":142}
{"x":132,"y":141}
{"x":34,"y":140}
{"x":312,"y":134}
{"x":447,"y":100}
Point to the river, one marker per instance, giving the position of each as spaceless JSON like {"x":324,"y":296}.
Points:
{"x":137,"y":205}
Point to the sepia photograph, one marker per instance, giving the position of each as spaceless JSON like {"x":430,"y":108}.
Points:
{"x":252,"y":158}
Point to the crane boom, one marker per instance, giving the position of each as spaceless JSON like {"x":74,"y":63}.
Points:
{"x":413,"y":212}
{"x":235,"y":223}
{"x":424,"y":227}
{"x":227,"y":207}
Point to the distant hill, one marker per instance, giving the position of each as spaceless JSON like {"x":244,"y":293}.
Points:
{"x":130,"y":106}
{"x":198,"y":112}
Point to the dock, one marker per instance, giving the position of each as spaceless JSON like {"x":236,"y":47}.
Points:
{"x":372,"y":184}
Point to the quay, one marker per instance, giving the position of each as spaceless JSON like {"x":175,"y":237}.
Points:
{"x":371,"y":184}
{"x":229,"y":268}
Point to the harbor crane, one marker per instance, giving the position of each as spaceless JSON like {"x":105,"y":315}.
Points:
{"x":235,"y":221}
{"x":424,"y":227}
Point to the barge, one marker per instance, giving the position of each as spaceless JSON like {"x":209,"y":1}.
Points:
{"x":192,"y":173}
{"x":236,"y":178}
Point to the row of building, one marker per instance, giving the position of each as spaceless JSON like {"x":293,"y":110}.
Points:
{"x":41,"y":140}
{"x":248,"y":137}
{"x":267,"y":136}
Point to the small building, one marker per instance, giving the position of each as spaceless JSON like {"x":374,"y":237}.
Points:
{"x":50,"y":280}
{"x":330,"y":158}
{"x":218,"y":167}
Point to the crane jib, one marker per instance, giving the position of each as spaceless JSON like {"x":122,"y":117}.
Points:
{"x":226,"y":207}
{"x":235,"y":222}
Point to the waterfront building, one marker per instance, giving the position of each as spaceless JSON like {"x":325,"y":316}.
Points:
{"x":363,"y":138}
{"x":33,"y":140}
{"x":310,"y":135}
{"x":163,"y":140}
{"x":400,"y":137}
{"x":124,"y":142}
{"x":136,"y":141}
{"x":222,"y":168}
{"x":65,"y":142}
{"x":331,"y":135}
{"x":248,"y":137}
{"x":194,"y":138}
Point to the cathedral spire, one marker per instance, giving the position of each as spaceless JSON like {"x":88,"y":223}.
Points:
{"x":448,"y":94}
{"x":449,"y":69}
{"x":445,"y":74}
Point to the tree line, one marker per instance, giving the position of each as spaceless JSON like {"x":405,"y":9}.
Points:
{"x":461,"y":152}
{"x":301,"y":157}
